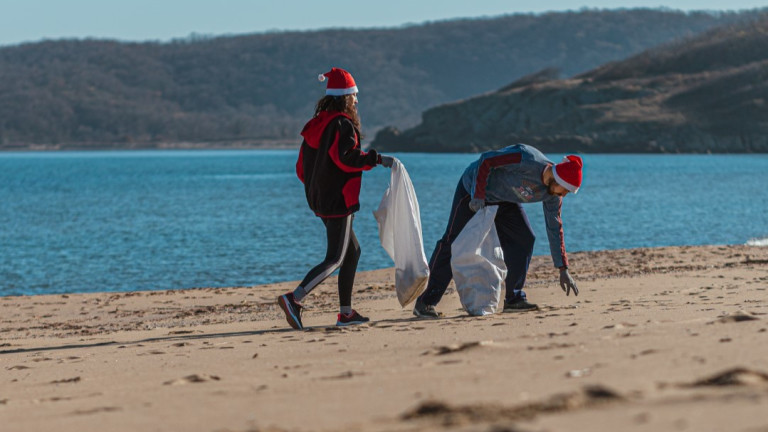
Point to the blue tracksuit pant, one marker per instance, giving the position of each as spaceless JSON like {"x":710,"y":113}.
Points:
{"x":515,"y":235}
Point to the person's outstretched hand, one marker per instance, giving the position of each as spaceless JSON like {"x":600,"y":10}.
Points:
{"x":476,"y":204}
{"x":387,"y":161}
{"x":567,"y":283}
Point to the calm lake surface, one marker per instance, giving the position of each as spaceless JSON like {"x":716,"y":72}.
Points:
{"x":154,"y":220}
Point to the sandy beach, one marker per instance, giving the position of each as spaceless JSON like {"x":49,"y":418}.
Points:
{"x":662,"y":339}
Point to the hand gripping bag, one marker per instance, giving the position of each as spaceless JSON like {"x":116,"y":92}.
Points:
{"x":478,"y":265}
{"x":400,"y":234}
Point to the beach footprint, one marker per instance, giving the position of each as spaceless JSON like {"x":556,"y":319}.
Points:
{"x":736,"y":317}
{"x":454,"y":348}
{"x":193,"y":379}
{"x":738,"y":376}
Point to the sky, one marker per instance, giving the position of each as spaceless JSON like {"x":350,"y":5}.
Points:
{"x":162,"y":20}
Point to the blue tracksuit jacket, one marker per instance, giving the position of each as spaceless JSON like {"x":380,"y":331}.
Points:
{"x":514,"y":174}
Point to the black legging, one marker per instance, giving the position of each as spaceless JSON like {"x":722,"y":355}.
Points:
{"x":343,"y":251}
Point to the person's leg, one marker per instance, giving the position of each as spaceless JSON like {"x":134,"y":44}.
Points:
{"x":347,"y":315}
{"x":517,"y":239}
{"x":440,"y":273}
{"x":338,"y":231}
{"x":347,"y":273}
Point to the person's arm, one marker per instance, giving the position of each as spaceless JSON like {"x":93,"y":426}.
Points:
{"x":346,"y":153}
{"x":300,"y":163}
{"x":554,"y":224}
{"x":553,"y":220}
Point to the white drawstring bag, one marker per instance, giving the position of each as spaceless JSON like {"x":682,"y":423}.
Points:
{"x":400,"y":234}
{"x":477,"y":261}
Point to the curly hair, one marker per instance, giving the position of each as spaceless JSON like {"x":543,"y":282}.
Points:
{"x":344,"y":104}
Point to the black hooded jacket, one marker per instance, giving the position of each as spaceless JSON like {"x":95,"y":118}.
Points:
{"x":331,"y":164}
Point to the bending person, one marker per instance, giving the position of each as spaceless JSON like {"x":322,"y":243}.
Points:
{"x":507,"y":178}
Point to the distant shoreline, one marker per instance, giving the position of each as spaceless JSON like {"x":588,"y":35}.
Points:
{"x":750,"y":253}
{"x":292,"y":144}
{"x":228,"y":145}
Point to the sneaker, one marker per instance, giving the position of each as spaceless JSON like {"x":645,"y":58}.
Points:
{"x":422,"y":310}
{"x":292,"y":310}
{"x":520,"y":306}
{"x":351,"y":319}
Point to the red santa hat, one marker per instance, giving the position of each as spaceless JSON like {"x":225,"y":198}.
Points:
{"x":340,"y":82}
{"x":568,"y":173}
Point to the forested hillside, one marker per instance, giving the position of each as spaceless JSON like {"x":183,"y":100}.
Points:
{"x":706,"y":94}
{"x":246,"y":89}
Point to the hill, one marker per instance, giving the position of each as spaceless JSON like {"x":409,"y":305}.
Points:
{"x":237,"y":90}
{"x":705,"y":94}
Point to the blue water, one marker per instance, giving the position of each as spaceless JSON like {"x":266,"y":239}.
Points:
{"x":121,"y":221}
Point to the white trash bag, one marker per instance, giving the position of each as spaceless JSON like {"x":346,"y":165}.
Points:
{"x":478,"y":265}
{"x":400,"y":234}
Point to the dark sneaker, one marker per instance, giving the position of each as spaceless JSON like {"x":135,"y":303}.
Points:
{"x":520,"y":306}
{"x":422,"y":310}
{"x":351,"y":319}
{"x":292,"y":310}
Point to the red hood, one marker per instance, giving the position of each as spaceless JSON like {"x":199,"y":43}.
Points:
{"x":314,"y":128}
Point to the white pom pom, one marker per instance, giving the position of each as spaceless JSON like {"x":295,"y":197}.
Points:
{"x":321,"y":77}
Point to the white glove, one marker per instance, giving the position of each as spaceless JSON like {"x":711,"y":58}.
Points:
{"x":567,"y":283}
{"x":476,"y":204}
{"x":387,"y":161}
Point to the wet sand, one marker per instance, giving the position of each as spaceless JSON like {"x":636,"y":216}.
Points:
{"x":663,"y":339}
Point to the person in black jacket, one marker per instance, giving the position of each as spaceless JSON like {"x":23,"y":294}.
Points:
{"x":331,"y":165}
